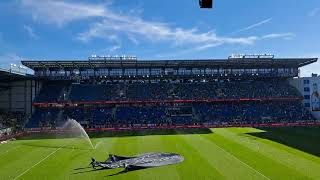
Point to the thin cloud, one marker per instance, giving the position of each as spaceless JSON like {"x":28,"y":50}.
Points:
{"x":59,"y":12}
{"x":286,"y":36}
{"x":314,"y":12}
{"x":155,"y":31}
{"x":30,"y":32}
{"x":113,"y":26}
{"x":186,"y":51}
{"x":199,"y":48}
{"x":110,"y":49}
{"x":133,"y":39}
{"x":114,"y":48}
{"x":253,"y":26}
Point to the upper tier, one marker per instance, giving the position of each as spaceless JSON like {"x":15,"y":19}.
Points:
{"x":59,"y":92}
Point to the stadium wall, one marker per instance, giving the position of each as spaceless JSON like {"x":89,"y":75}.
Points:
{"x":309,"y":87}
{"x":19,"y":96}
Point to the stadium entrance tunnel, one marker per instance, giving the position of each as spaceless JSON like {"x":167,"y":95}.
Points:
{"x":306,"y":139}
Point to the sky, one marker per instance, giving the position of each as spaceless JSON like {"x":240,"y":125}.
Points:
{"x":158,"y":29}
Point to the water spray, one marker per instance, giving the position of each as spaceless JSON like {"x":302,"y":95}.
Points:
{"x":77,"y":131}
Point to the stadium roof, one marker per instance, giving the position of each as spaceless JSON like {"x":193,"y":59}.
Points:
{"x":228,"y":63}
{"x":10,"y":75}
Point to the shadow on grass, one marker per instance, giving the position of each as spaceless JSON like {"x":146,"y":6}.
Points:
{"x":122,"y":133}
{"x":306,"y":139}
{"x":127,"y":171}
{"x":83,"y":170}
{"x":87,"y":171}
{"x":41,"y":145}
{"x":150,"y":132}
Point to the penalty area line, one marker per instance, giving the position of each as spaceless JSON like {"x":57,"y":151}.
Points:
{"x":37,"y":163}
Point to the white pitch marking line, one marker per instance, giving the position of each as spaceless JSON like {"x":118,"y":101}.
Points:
{"x":37,"y":163}
{"x":242,"y":162}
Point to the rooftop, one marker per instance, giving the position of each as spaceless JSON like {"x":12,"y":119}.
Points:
{"x":185,"y":63}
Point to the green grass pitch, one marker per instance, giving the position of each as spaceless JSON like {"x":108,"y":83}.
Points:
{"x":226,"y":153}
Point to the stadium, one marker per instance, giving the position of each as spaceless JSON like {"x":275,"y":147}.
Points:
{"x":234,"y":118}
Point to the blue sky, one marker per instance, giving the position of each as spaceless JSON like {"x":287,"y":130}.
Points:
{"x":158,"y":29}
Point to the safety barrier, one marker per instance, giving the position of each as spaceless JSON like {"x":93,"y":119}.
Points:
{"x":123,"y":128}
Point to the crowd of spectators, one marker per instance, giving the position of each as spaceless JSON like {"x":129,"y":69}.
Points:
{"x":204,"y":113}
{"x":90,"y":116}
{"x":48,"y":117}
{"x":251,"y":112}
{"x":220,"y":113}
{"x":53,"y":92}
{"x":63,"y":91}
{"x":14,"y":119}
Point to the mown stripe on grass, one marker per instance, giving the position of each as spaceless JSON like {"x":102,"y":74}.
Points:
{"x":149,"y":144}
{"x":194,"y":165}
{"x":125,"y":146}
{"x":43,"y":159}
{"x":265,"y":165}
{"x":304,"y":141}
{"x":15,"y":162}
{"x":274,"y":151}
{"x":4,"y":152}
{"x":302,"y":138}
{"x":6,"y":146}
{"x":73,"y":156}
{"x":58,"y":167}
{"x":225,"y":163}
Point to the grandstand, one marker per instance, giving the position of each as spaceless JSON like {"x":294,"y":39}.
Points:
{"x":15,"y":98}
{"x":132,"y":93}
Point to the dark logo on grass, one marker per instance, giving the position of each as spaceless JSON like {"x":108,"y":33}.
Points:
{"x":148,"y":160}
